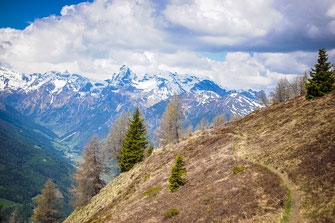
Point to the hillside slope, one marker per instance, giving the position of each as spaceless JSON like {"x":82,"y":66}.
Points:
{"x":28,"y":158}
{"x":295,"y":139}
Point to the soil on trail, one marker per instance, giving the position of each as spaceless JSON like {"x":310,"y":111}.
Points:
{"x":294,"y":214}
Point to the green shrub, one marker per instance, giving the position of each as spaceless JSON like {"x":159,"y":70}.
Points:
{"x":177,"y":171}
{"x":172,"y":212}
{"x":151,"y":191}
{"x":255,"y":111}
{"x":238,"y":169}
{"x":274,"y":103}
{"x":149,"y":150}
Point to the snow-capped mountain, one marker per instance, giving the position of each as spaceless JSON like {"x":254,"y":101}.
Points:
{"x":75,"y":107}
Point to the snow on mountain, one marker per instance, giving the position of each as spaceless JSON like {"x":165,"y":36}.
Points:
{"x":76,"y":107}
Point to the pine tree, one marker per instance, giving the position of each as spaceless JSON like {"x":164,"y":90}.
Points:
{"x":134,"y":144}
{"x":88,"y":175}
{"x":322,"y":77}
{"x":177,"y":171}
{"x":49,"y":204}
{"x":171,"y":128}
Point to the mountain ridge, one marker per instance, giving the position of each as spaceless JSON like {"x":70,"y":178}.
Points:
{"x":75,"y":107}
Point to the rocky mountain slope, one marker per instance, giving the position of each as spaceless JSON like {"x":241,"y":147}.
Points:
{"x":75,"y":107}
{"x":274,"y":165}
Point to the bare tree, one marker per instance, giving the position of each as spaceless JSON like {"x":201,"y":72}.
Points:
{"x":116,"y":137}
{"x":202,"y":125}
{"x":49,"y":204}
{"x":234,"y":117}
{"x":294,"y":87}
{"x":263,"y":98}
{"x":189,"y":131}
{"x":88,"y":175}
{"x":14,"y":216}
{"x":171,"y":128}
{"x":219,"y":120}
{"x":281,"y":92}
{"x":302,"y":83}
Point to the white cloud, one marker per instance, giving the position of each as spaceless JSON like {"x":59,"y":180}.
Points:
{"x":96,"y":38}
{"x":225,"y":20}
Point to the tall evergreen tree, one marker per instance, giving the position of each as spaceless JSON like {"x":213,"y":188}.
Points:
{"x":88,"y":175}
{"x":134,"y":143}
{"x":49,"y":204}
{"x":322,"y":77}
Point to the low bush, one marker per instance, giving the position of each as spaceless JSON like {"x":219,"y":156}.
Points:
{"x":172,"y":212}
{"x":238,"y":169}
{"x":151,"y":191}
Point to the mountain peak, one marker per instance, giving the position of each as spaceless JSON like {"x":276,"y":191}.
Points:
{"x":125,"y":76}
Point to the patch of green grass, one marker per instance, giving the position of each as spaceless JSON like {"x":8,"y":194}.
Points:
{"x":151,"y":191}
{"x":172,"y":212}
{"x":254,"y":111}
{"x":119,"y":192}
{"x":238,"y":169}
{"x":288,"y":206}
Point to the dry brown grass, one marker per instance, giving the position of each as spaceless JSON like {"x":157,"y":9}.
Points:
{"x":296,"y":137}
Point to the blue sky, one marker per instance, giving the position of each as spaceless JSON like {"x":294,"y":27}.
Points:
{"x":19,"y":14}
{"x":239,"y":44}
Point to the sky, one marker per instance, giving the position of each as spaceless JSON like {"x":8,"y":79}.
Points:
{"x":239,"y":44}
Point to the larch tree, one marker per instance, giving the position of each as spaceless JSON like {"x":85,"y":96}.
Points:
{"x":14,"y":216}
{"x":188,"y":132}
{"x":263,"y":98}
{"x":281,"y":92}
{"x":116,"y":137}
{"x":134,"y":144}
{"x":49,"y":204}
{"x":302,"y":80}
{"x":171,"y":127}
{"x":202,"y":125}
{"x":88,"y":176}
{"x":219,"y":120}
{"x":322,"y":77}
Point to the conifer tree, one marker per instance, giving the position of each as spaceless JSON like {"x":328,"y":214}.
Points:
{"x":88,"y":175}
{"x":116,"y":137}
{"x":171,"y":128}
{"x":322,"y":77}
{"x":177,"y":171}
{"x":49,"y":204}
{"x":134,"y":144}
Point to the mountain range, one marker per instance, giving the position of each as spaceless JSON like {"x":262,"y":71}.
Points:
{"x":75,"y":107}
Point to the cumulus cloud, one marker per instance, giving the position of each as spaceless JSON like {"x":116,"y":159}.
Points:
{"x":96,"y":38}
{"x":227,"y":19}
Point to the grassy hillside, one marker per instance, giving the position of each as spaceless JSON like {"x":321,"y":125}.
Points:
{"x":275,"y":165}
{"x":27,"y":159}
